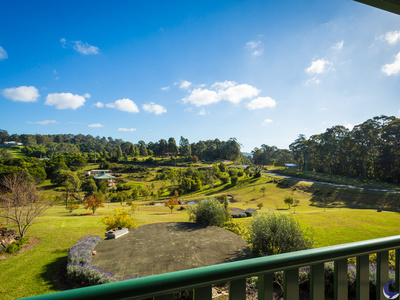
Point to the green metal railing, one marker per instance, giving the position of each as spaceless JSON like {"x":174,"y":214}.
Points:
{"x":162,"y":287}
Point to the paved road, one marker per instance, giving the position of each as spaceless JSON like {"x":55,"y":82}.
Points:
{"x":327,"y":183}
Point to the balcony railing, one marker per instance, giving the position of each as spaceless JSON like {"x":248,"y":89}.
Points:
{"x":200,"y":280}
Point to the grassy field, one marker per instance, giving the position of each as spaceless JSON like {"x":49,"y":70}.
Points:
{"x":336,"y":216}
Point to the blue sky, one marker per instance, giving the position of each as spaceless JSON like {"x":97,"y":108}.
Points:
{"x":260,"y":71}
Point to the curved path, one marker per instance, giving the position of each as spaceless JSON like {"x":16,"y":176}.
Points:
{"x":167,"y":247}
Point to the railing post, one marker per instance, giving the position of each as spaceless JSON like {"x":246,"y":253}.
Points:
{"x":382,"y":273}
{"x":291,"y":284}
{"x":237,"y":289}
{"x":202,"y":293}
{"x":362,"y":277}
{"x":317,"y":282}
{"x":340,"y":280}
{"x":266,"y":287}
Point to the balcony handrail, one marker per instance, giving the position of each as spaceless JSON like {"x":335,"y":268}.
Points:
{"x":168,"y":283}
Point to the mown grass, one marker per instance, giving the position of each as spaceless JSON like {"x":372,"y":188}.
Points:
{"x":334,"y":222}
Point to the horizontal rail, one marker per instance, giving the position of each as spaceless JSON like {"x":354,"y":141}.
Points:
{"x":168,"y":283}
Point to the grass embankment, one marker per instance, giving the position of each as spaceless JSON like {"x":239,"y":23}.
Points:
{"x":337,"y":179}
{"x":336,"y":215}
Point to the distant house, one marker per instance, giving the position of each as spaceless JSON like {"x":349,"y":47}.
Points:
{"x":12,"y":143}
{"x":291,"y":166}
{"x":107,"y":178}
{"x":97,"y":172}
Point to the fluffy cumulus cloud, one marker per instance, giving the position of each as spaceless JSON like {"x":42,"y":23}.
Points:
{"x":87,"y":95}
{"x":46,"y":122}
{"x":154,"y":108}
{"x":261,"y":102}
{"x":3,"y":53}
{"x":97,"y":125}
{"x":184,"y":84}
{"x":221,"y":91}
{"x":22,"y":94}
{"x":319,"y":66}
{"x":124,"y":105}
{"x":81,"y":47}
{"x":266,"y":122}
{"x":393,"y":68}
{"x":392,"y":37}
{"x":256,"y":47}
{"x":313,"y":80}
{"x":65,"y":100}
{"x":99,"y":104}
{"x":165,"y":88}
{"x":127,"y":129}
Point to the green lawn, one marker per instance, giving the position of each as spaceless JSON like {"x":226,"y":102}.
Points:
{"x":32,"y":272}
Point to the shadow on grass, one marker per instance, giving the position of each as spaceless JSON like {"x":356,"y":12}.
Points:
{"x":55,"y":273}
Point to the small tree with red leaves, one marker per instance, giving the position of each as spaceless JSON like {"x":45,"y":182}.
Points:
{"x":171,"y":202}
{"x":94,"y":202}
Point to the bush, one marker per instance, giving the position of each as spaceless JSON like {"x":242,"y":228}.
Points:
{"x":274,"y":233}
{"x":79,"y":266}
{"x":120,"y":218}
{"x":71,"y":207}
{"x":209,"y":213}
{"x":238,"y":229}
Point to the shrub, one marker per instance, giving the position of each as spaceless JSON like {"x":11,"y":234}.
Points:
{"x":79,"y":266}
{"x":234,"y":180}
{"x":208,"y":212}
{"x":238,"y":229}
{"x":71,"y":207}
{"x":120,"y":218}
{"x":274,"y":233}
{"x":224,"y":179}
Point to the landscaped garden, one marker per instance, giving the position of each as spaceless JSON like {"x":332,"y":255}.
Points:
{"x":336,"y":216}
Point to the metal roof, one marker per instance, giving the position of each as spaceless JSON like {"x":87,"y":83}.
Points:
{"x":388,"y":5}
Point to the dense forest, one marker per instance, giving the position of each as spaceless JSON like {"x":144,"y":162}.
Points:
{"x":370,"y":150}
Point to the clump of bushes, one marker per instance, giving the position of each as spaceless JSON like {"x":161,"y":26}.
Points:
{"x":119,"y":218}
{"x":274,"y":233}
{"x":80,"y":268}
{"x":208,"y":212}
{"x":16,"y":246}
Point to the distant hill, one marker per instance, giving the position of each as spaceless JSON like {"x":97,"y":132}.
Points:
{"x":247,"y":154}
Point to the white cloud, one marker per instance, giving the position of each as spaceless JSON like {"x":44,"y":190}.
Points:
{"x":319,"y":66}
{"x":348,"y":125}
{"x":22,"y":94}
{"x":46,"y":122}
{"x":99,"y":104}
{"x":200,"y":97}
{"x":154,"y":108}
{"x":256,"y":47}
{"x":313,"y":80}
{"x":392,"y":37}
{"x":3,"y":53}
{"x":87,"y":95}
{"x":393,"y":68}
{"x":203,"y":112}
{"x":124,"y":105}
{"x":261,"y":102}
{"x":338,"y":45}
{"x":97,"y":125}
{"x":266,"y":122}
{"x":184,"y":84}
{"x":81,"y":47}
{"x":127,"y":129}
{"x":165,"y":88}
{"x":220,"y":91}
{"x":65,"y":100}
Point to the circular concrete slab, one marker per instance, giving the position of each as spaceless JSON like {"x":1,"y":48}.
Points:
{"x":167,"y":247}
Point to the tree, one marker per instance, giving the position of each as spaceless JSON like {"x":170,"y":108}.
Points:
{"x":94,"y":202}
{"x":171,"y":202}
{"x":209,"y":213}
{"x":184,"y":147}
{"x":263,"y":189}
{"x":288,"y":200}
{"x":21,"y":203}
{"x":89,"y":187}
{"x":69,"y":181}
